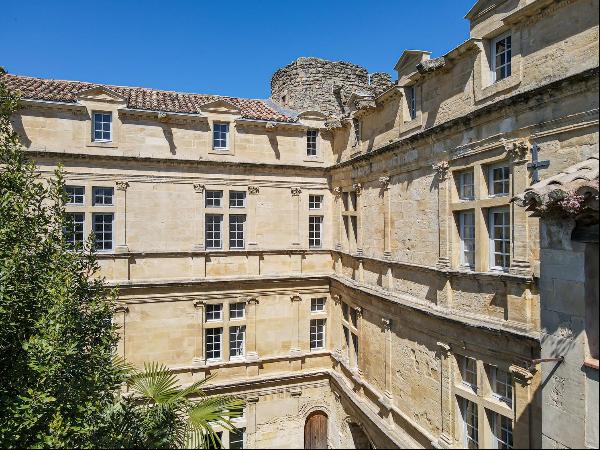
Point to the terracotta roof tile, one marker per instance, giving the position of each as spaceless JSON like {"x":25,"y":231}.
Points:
{"x":139,"y":98}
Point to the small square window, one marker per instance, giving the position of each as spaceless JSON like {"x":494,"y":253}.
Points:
{"x":102,"y":131}
{"x":75,"y":195}
{"x":213,"y":199}
{"x":220,"y":136}
{"x":237,"y":310}
{"x":315,"y":201}
{"x":237,"y":199}
{"x":499,"y":181}
{"x":103,"y":196}
{"x":317,"y":305}
{"x":466,"y":185}
{"x":214,"y":312}
{"x":311,"y":142}
{"x":317,"y":334}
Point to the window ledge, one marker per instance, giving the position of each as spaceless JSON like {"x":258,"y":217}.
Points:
{"x":591,"y":363}
{"x":499,"y":87}
{"x":109,"y":144}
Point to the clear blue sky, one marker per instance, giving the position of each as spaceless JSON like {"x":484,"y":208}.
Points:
{"x":228,"y":48}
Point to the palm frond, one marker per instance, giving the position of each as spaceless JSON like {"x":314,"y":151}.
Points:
{"x":215,"y":411}
{"x":155,"y":382}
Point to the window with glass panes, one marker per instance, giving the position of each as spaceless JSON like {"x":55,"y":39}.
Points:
{"x":220,"y":136}
{"x":411,"y":100}
{"x":502,"y":385}
{"x":75,"y":195}
{"x":213,"y":231}
{"x":501,"y":57}
{"x":74,"y":235}
{"x":502,"y":430}
{"x":237,"y":310}
{"x":237,"y":199}
{"x":350,"y":330}
{"x":317,"y":305}
{"x":236,"y":438}
{"x":311,"y":142}
{"x":102,"y":195}
{"x":315,"y":231}
{"x":102,"y":126}
{"x":237,"y":225}
{"x":102,"y":225}
{"x":237,"y":339}
{"x":467,"y":239}
{"x":357,"y":132}
{"x":499,"y":181}
{"x":213,"y":312}
{"x":470,"y":415}
{"x":499,"y":223}
{"x":315,"y":201}
{"x":317,"y":334}
{"x":213,"y":199}
{"x":466,"y":185}
{"x":469,"y":372}
{"x":214,"y":341}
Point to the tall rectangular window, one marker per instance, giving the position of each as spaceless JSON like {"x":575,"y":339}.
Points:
{"x":467,"y":239}
{"x":220,"y":136}
{"x":237,"y":199}
{"x":315,"y":231}
{"x":411,"y":100}
{"x":214,"y":312}
{"x":75,"y":195}
{"x":236,"y":438}
{"x":74,"y":234}
{"x":469,"y":372}
{"x":499,"y":181}
{"x":315,"y":202}
{"x":103,"y":231}
{"x":499,"y":238}
{"x":355,"y":348}
{"x":501,"y":57}
{"x":237,"y":225}
{"x":502,"y":385}
{"x":347,"y":341}
{"x":317,"y":305}
{"x":357,"y":132}
{"x":311,"y":142}
{"x":237,"y":341}
{"x":103,"y":196}
{"x":317,"y":334}
{"x":237,"y":310}
{"x":214,"y":343}
{"x":502,"y":429}
{"x":102,"y":127}
{"x":470,"y":423}
{"x":213,"y":199}
{"x":213,"y":231}
{"x":466,"y":185}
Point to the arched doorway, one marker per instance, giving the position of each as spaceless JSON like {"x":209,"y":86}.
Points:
{"x":315,"y":430}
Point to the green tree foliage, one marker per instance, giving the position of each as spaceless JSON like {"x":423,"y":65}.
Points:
{"x":60,"y":385}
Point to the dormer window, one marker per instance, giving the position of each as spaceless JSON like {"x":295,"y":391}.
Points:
{"x":221,"y":136}
{"x":411,"y":101}
{"x":102,"y":126}
{"x":501,"y":57}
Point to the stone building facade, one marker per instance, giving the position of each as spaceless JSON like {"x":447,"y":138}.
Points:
{"x":346,"y":252}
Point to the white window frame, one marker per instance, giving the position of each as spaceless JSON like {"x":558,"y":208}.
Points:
{"x":107,"y":245}
{"x":492,"y":240}
{"x":464,"y":262}
{"x":75,"y":195}
{"x":317,"y":305}
{"x":497,"y":427}
{"x":214,"y":346}
{"x":502,"y":389}
{"x":491,"y":185}
{"x":315,"y":231}
{"x":234,"y":311}
{"x":213,"y":199}
{"x":78,"y":228}
{"x":220,"y":135}
{"x":462,"y":183}
{"x":318,"y":329}
{"x":508,"y":63}
{"x":102,"y":121}
{"x":474,"y":413}
{"x":103,"y":193}
{"x":466,"y":371}
{"x":312,"y":143}
{"x":315,"y":202}
{"x":235,"y":197}
{"x":237,"y":342}
{"x":213,"y":234}
{"x":213,"y":312}
{"x":237,"y":231}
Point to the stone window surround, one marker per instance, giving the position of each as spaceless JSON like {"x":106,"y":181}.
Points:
{"x":349,"y":239}
{"x":225,"y":323}
{"x":225,"y":210}
{"x":230,"y":150}
{"x":350,"y":355}
{"x":407,"y":123}
{"x":493,"y":56}
{"x":95,"y":115}
{"x":488,"y":403}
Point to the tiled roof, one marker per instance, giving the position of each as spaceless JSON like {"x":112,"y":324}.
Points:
{"x":571,"y":191}
{"x":139,"y":98}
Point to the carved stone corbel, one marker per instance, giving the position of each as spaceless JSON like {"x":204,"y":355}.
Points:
{"x":122,"y":185}
{"x":337,"y":191}
{"x":296,"y":191}
{"x":386,"y":324}
{"x":517,"y":150}
{"x":199,"y":188}
{"x":384,"y":183}
{"x":358,"y":187}
{"x":521,"y":375}
{"x":121,"y":309}
{"x":253,"y":190}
